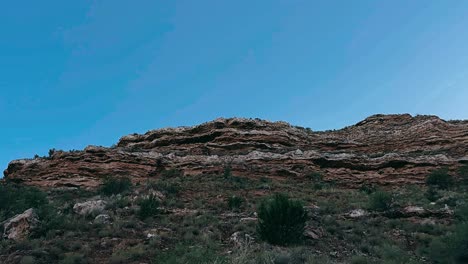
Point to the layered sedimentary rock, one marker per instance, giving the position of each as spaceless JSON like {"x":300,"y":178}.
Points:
{"x":382,"y":149}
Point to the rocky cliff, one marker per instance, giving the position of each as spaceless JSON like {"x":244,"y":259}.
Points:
{"x":382,"y":149}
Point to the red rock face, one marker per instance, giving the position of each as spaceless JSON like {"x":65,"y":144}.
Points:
{"x":382,"y":149}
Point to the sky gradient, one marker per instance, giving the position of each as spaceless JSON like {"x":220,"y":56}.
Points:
{"x":76,"y":73}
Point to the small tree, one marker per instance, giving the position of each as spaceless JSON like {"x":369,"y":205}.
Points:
{"x":440,"y":178}
{"x":281,"y":221}
{"x":380,"y":201}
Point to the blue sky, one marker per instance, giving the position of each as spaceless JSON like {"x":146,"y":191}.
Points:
{"x":75,"y":73}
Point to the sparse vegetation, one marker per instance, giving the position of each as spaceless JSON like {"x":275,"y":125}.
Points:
{"x":15,"y":199}
{"x":380,"y":201}
{"x":463,"y":172}
{"x":190,"y":222}
{"x":440,"y":179}
{"x":281,"y":220}
{"x":115,"y":185}
{"x":235,"y":202}
{"x":452,"y":248}
{"x":317,"y":180}
{"x":432,"y":194}
{"x":148,"y":207}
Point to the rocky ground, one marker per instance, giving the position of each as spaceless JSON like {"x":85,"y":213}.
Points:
{"x":390,"y":189}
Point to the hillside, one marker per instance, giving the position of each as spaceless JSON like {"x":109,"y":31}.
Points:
{"x":389,"y":189}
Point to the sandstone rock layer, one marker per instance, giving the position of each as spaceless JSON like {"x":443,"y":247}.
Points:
{"x":382,"y":149}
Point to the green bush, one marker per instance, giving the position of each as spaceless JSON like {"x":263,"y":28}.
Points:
{"x":380,"y":201}
{"x":148,"y":207}
{"x":392,"y":254}
{"x":367,"y":188}
{"x":235,"y":202}
{"x":463,"y":172}
{"x":432,"y":194}
{"x":462,"y":213}
{"x":169,"y":187}
{"x":440,"y":178}
{"x":452,"y":248}
{"x":15,"y":199}
{"x":315,"y":177}
{"x":112,"y":185}
{"x":281,"y":221}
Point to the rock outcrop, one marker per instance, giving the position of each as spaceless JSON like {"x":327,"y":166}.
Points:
{"x":90,"y":207}
{"x":20,"y":226}
{"x":382,"y":149}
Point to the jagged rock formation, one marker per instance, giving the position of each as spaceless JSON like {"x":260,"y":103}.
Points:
{"x":382,"y":149}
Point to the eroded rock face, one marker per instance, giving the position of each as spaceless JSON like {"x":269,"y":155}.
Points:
{"x":382,"y":149}
{"x":20,"y":226}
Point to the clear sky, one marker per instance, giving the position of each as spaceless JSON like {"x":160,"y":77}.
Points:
{"x":75,"y":73}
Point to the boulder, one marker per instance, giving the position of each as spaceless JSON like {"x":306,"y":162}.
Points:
{"x":19,"y":227}
{"x":240,"y":238}
{"x":357,"y":213}
{"x":90,"y":207}
{"x":313,"y":233}
{"x":416,"y":210}
{"x":102,"y":219}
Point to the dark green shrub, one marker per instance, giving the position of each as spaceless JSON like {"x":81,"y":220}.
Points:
{"x":281,"y":221}
{"x":169,"y":187}
{"x":367,"y":188}
{"x":380,"y":201}
{"x":440,"y":178}
{"x":15,"y":199}
{"x":462,"y":213}
{"x":315,"y":177}
{"x":432,"y":194}
{"x":118,"y":185}
{"x":392,"y":254}
{"x":452,"y":248}
{"x":51,"y":152}
{"x":463,"y":172}
{"x":235,"y":202}
{"x":148,"y":207}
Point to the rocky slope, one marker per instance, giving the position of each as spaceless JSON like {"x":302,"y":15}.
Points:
{"x":382,"y":149}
